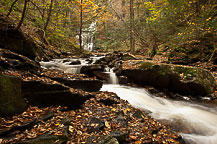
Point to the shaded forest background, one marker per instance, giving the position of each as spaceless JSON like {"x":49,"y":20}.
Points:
{"x":183,"y":30}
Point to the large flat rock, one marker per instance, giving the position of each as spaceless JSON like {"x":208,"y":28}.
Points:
{"x":43,"y":94}
{"x":181,"y":79}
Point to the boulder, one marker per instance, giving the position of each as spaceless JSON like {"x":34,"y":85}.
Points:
{"x":11,"y":100}
{"x":181,"y":79}
{"x":122,"y":80}
{"x":91,"y":68}
{"x":42,"y":94}
{"x":101,"y":75}
{"x":95,"y":125}
{"x":75,"y":62}
{"x":17,"y":41}
{"x":120,"y":136}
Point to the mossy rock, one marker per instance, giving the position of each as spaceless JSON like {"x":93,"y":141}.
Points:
{"x":11,"y":100}
{"x":181,"y":79}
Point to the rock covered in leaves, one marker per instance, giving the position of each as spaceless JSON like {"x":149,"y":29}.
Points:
{"x":181,"y":79}
{"x":104,"y":118}
{"x":11,"y":100}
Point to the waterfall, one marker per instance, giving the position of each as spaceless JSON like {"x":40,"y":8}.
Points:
{"x":196,"y":123}
{"x":113,"y":79}
{"x":88,"y":36}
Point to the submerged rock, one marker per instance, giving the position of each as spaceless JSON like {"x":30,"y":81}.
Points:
{"x":11,"y":100}
{"x":176,"y":78}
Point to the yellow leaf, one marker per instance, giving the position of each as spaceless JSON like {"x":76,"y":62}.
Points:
{"x":138,"y":142}
{"x":107,"y":124}
{"x":71,"y":129}
{"x":113,"y":109}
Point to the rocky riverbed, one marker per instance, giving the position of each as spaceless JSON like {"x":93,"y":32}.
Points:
{"x":58,"y":107}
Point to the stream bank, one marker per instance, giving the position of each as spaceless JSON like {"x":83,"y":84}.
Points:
{"x":56,"y":112}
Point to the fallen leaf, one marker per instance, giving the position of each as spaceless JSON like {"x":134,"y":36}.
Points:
{"x":71,"y":129}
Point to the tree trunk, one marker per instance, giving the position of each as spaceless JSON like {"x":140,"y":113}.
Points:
{"x":11,"y":8}
{"x":49,"y":15}
{"x":132,"y":29}
{"x":23,"y":14}
{"x":81,"y":25}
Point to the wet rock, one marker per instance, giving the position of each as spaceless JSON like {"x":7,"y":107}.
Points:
{"x":76,"y":62}
{"x":180,"y":79}
{"x":43,"y":94}
{"x":66,"y":60}
{"x":121,"y":119}
{"x":90,"y":61}
{"x":101,"y":75}
{"x":108,"y":102}
{"x":95,"y":125}
{"x":91,"y":68}
{"x":120,"y":136}
{"x":11,"y":100}
{"x":90,"y":85}
{"x":102,"y":140}
{"x":138,"y":114}
{"x":123,"y":80}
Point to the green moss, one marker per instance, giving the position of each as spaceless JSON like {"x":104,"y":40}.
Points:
{"x":161,"y":69}
{"x":195,"y":76}
{"x":146,"y":65}
{"x":188,"y":73}
{"x":11,"y":101}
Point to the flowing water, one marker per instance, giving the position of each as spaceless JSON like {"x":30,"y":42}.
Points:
{"x":196,"y":123}
{"x":199,"y":123}
{"x":65,"y":66}
{"x":113,"y":79}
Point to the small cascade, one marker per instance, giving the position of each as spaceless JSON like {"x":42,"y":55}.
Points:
{"x":66,"y":66}
{"x":113,"y":79}
{"x":73,"y":70}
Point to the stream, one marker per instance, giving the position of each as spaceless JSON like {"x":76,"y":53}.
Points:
{"x":196,"y":123}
